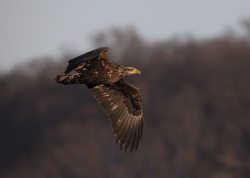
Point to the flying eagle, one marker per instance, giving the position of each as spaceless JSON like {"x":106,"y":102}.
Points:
{"x":120,"y":100}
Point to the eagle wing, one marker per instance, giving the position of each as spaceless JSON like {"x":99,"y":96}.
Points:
{"x":96,"y":53}
{"x":122,"y":103}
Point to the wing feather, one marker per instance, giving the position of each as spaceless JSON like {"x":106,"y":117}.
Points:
{"x":122,"y":103}
{"x":124,"y":132}
{"x":77,"y":61}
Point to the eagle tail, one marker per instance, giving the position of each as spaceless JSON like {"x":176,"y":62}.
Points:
{"x":68,"y":79}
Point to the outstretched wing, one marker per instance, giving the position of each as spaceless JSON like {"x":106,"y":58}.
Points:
{"x":122,"y":103}
{"x":96,"y":53}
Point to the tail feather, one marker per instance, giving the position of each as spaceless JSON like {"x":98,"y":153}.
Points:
{"x":67,"y":79}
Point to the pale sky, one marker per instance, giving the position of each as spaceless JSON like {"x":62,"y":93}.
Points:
{"x":36,"y":28}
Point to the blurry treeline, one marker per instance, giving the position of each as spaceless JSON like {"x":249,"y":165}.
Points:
{"x":196,"y":99}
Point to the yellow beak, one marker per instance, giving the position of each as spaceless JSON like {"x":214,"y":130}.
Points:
{"x":135,"y":71}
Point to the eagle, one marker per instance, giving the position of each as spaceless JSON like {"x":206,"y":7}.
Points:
{"x":120,"y":100}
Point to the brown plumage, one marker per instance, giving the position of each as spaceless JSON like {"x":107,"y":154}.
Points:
{"x":120,"y":100}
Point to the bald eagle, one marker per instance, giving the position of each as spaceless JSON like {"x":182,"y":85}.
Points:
{"x":120,"y":100}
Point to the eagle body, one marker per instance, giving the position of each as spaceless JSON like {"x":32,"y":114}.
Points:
{"x":96,"y":72}
{"x":120,"y":100}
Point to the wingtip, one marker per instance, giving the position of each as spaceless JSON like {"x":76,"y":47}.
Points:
{"x":103,"y":48}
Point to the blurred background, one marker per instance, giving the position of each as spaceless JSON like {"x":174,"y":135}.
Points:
{"x":195,"y":86}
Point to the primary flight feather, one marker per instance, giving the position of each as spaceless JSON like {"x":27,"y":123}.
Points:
{"x":120,"y":100}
